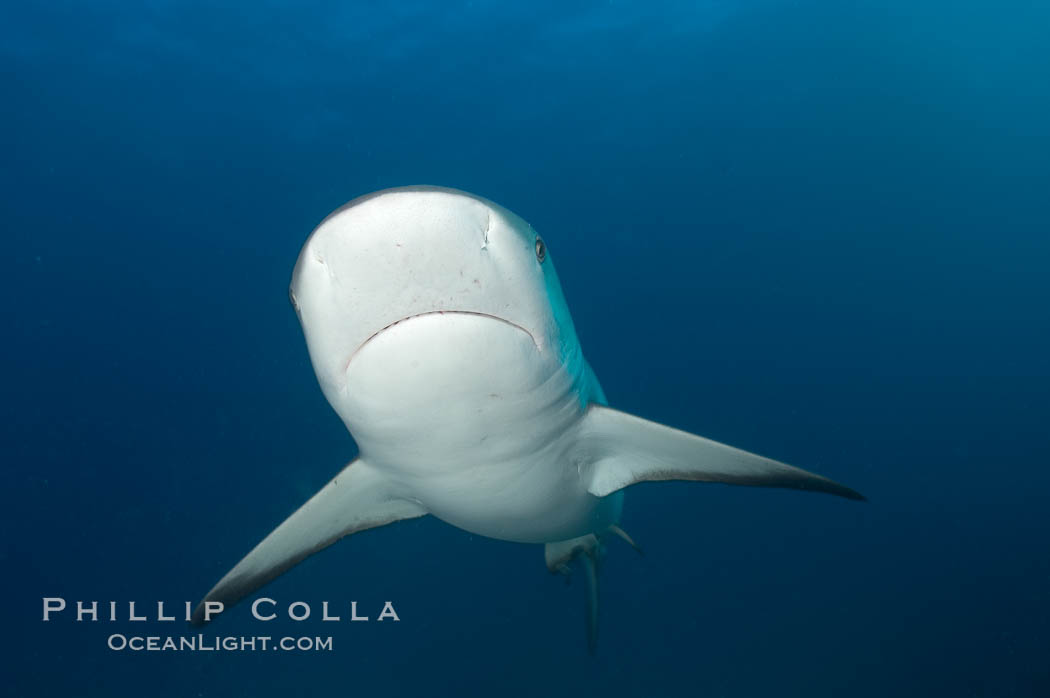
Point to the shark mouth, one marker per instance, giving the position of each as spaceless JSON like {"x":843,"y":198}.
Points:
{"x":438,"y":312}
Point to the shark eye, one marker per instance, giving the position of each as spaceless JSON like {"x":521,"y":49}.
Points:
{"x":541,"y":250}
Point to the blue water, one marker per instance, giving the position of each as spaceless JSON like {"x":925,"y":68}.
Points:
{"x":816,"y":230}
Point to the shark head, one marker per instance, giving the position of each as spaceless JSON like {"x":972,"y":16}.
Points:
{"x":398,"y":255}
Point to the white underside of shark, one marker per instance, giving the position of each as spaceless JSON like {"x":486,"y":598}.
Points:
{"x":439,"y":334}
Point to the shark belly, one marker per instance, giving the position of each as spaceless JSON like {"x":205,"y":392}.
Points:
{"x":464,"y":414}
{"x":537,"y":504}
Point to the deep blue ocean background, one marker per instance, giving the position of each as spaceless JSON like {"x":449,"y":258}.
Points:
{"x":819,"y":230}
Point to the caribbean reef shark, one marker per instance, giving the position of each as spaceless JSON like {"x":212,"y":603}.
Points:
{"x":438,"y":331}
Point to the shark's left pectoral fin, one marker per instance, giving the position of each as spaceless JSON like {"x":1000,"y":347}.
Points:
{"x":617,"y":449}
{"x":356,"y":499}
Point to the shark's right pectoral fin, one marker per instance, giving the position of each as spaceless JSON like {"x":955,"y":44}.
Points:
{"x":356,"y":499}
{"x":617,"y":449}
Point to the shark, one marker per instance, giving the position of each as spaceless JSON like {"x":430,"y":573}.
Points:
{"x":439,"y":333}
